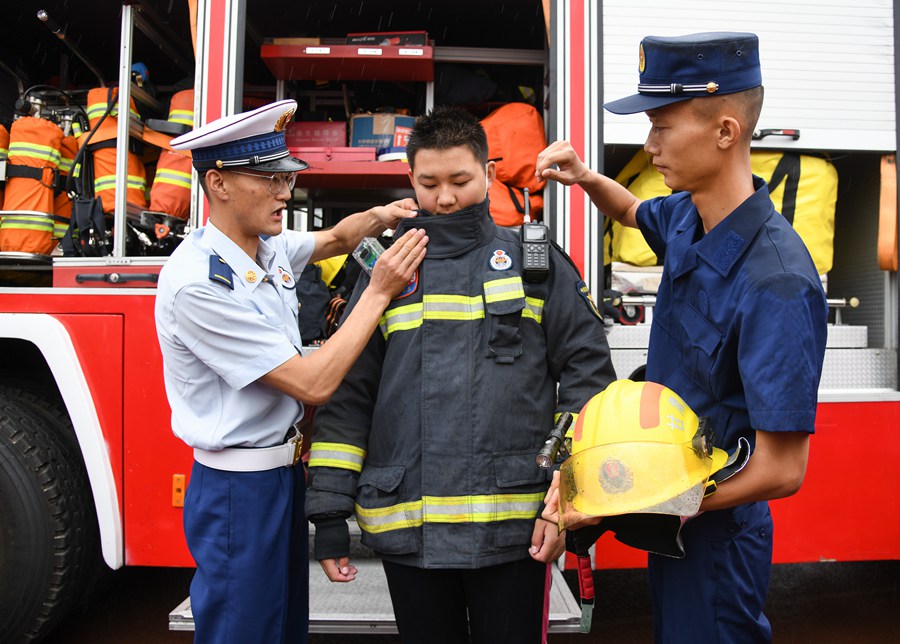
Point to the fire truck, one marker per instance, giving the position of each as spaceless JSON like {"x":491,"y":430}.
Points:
{"x":89,"y":468}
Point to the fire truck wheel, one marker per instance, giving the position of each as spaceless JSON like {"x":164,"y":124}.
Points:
{"x":48,"y":537}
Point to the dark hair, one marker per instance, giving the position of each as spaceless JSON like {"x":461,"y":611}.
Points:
{"x":446,"y":127}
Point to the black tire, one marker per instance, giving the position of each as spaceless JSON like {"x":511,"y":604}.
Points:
{"x":48,"y":529}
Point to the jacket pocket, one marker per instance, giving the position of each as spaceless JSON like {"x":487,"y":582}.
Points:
{"x":517,"y":473}
{"x":381,"y":516}
{"x":513,"y":469}
{"x":504,"y":299}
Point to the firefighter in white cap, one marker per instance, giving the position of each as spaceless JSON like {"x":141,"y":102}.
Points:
{"x":226,"y":314}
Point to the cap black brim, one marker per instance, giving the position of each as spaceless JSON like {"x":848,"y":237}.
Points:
{"x":642,"y":102}
{"x":285,"y":164}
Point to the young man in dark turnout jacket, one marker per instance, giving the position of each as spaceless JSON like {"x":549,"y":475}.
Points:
{"x":432,"y":437}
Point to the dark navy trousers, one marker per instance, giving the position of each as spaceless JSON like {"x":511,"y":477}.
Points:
{"x":717,"y":593}
{"x":248,"y":535}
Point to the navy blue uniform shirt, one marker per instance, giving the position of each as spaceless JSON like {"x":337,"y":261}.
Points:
{"x":740,"y":321}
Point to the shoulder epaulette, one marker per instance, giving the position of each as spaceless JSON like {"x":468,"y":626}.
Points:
{"x":219,"y":271}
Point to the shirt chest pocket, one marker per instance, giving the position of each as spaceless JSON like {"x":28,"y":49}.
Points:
{"x":701,"y":342}
{"x":277,"y":304}
{"x":504,"y":301}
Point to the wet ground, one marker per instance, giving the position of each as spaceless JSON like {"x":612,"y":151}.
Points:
{"x":823,"y":603}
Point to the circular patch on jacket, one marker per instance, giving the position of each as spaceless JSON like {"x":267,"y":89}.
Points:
{"x":500,"y":261}
{"x":615,"y":477}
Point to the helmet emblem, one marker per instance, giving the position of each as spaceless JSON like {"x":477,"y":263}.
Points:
{"x":615,"y":477}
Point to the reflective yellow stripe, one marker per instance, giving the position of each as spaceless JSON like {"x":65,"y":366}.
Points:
{"x":42,"y":223}
{"x":174,"y":178}
{"x":534,"y":309}
{"x":480,"y":508}
{"x":108,"y":182}
{"x":96,"y":110}
{"x":59,"y":229}
{"x":509,"y":288}
{"x":185,"y":117}
{"x":433,"y":307}
{"x":452,"y":307}
{"x":347,"y":457}
{"x":65,"y":165}
{"x":34,"y":151}
{"x":395,"y":517}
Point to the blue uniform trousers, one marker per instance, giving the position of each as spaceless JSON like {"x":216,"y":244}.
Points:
{"x":248,"y":534}
{"x":717,"y":593}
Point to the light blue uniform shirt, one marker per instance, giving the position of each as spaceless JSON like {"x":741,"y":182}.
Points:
{"x":224,"y":321}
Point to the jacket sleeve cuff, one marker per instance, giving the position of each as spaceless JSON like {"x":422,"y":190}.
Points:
{"x":332,"y":539}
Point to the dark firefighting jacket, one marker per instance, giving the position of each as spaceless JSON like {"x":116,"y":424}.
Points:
{"x":431,"y":439}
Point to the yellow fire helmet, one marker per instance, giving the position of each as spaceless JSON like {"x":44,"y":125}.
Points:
{"x":639,"y":449}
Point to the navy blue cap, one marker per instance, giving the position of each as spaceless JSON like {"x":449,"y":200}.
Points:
{"x":252,"y":140}
{"x":684,"y":67}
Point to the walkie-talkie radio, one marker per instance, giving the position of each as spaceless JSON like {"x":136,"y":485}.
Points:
{"x":535,"y":247}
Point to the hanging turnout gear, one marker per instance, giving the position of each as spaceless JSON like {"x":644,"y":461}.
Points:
{"x":31,"y":174}
{"x":87,"y":233}
{"x":642,"y":461}
{"x":4,"y":153}
{"x":99,"y":162}
{"x":170,"y":192}
{"x":62,"y":202}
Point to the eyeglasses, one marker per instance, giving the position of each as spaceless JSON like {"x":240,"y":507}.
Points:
{"x":277,"y":181}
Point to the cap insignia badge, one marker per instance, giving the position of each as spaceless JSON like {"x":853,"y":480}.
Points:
{"x":283,"y":120}
{"x":642,"y":62}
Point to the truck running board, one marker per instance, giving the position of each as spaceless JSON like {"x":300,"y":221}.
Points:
{"x":364,"y":606}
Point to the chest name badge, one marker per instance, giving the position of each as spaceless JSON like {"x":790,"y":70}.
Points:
{"x":287,"y":280}
{"x":500,"y":261}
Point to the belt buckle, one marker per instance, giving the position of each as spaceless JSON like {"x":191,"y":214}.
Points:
{"x":297,"y":442}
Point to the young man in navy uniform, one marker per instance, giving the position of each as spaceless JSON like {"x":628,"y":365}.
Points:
{"x":739,"y":325}
{"x":432,"y":437}
{"x":226,"y":313}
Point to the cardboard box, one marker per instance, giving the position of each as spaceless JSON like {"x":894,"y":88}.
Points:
{"x":316,"y":154}
{"x":380,"y":130}
{"x":316,"y":133}
{"x":389,"y":38}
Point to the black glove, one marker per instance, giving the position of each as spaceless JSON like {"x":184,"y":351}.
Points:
{"x":332,"y":539}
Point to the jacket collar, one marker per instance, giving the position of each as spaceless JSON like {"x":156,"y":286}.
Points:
{"x":454,"y":234}
{"x":726,"y":243}
{"x":236,"y":259}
